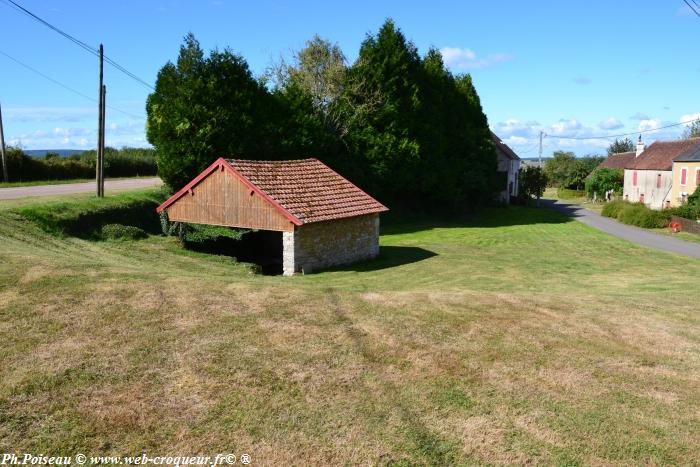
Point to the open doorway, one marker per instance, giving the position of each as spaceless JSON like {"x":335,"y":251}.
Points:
{"x":261,"y":247}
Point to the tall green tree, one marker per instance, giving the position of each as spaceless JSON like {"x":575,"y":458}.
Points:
{"x":582,"y":168}
{"x":206,"y":107}
{"x":533,"y":181}
{"x":385,"y":139}
{"x":621,"y":145}
{"x":560,"y":167}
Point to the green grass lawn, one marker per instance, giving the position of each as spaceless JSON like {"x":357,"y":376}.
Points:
{"x":513,"y":336}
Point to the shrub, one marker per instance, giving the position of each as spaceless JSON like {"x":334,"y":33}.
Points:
{"x":613,"y":208}
{"x":637,"y":214}
{"x":641,"y":216}
{"x":124,"y":162}
{"x":688,"y":211}
{"x":603,"y":180}
{"x":122,"y":232}
{"x":694,"y":199}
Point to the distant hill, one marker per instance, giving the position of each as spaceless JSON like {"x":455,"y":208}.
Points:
{"x":60,"y":152}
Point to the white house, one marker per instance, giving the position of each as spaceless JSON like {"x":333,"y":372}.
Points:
{"x":508,"y":170}
{"x":649,"y":176}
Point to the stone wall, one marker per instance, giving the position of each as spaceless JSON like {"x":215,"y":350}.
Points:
{"x":321,"y":245}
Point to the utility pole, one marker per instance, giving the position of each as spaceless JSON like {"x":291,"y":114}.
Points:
{"x":540,"y":156}
{"x":102,"y":139}
{"x":100,"y":124}
{"x":2,"y":150}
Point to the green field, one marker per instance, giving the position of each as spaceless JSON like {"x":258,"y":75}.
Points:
{"x":512,"y":336}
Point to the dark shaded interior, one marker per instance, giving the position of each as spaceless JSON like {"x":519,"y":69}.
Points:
{"x":261,"y":247}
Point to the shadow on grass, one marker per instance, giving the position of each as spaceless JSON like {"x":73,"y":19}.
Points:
{"x":389,"y":257}
{"x":402,"y":222}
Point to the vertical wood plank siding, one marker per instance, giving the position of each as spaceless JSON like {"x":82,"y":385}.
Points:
{"x":222,"y":199}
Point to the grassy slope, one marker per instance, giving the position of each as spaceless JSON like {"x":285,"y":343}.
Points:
{"x":517,"y":337}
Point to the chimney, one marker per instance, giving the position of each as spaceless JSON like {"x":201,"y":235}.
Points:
{"x":640,"y":146}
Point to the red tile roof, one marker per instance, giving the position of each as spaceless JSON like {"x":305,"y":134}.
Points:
{"x":307,"y":189}
{"x":617,"y":161}
{"x":660,"y":155}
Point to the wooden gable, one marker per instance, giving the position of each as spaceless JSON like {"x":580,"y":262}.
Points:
{"x":222,"y":198}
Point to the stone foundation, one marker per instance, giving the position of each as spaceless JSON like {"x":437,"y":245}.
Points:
{"x":321,"y":245}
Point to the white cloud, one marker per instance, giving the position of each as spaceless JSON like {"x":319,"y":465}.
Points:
{"x":689,"y":118}
{"x":649,"y":124}
{"x":463,"y":59}
{"x":568,"y":127}
{"x":610,"y":124}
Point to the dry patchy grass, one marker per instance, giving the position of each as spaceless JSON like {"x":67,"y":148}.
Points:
{"x":524,"y":339}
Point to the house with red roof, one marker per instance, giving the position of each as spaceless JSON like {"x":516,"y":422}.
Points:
{"x":649,"y":176}
{"x":319,"y":218}
{"x":619,"y":160}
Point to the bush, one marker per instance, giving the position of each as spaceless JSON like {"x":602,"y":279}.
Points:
{"x":122,"y":232}
{"x":641,"y":216}
{"x":694,"y":199}
{"x":124,"y":162}
{"x":688,"y":211}
{"x":603,"y":180}
{"x":613,"y":208}
{"x":637,"y":214}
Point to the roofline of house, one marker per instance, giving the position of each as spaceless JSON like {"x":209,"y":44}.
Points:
{"x":223,"y":164}
{"x":507,"y":150}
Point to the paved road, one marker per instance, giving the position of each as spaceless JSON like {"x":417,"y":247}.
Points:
{"x":626,"y":232}
{"x":71,"y":188}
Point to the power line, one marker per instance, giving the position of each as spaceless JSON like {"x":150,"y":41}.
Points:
{"x":625,"y":134}
{"x":691,"y":7}
{"x":76,"y":41}
{"x":74,"y":91}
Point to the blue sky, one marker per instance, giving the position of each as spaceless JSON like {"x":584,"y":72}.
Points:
{"x":567,"y":68}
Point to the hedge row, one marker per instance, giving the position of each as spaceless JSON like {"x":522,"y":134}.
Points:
{"x":641,"y":216}
{"x":125,"y":162}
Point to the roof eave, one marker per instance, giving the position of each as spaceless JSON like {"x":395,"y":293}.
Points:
{"x":223,"y":163}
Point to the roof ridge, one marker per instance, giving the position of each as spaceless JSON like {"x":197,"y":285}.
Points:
{"x":257,"y":161}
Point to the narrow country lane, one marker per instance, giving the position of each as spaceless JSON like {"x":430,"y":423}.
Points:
{"x":626,"y":232}
{"x":72,"y":188}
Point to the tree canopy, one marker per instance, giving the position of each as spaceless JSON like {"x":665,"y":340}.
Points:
{"x":567,"y":171}
{"x":399,"y":125}
{"x":604,"y":180}
{"x":206,"y":107}
{"x":621,"y":145}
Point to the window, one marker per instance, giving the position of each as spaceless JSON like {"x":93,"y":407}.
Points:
{"x":634,"y":178}
{"x":697,"y":177}
{"x":684,"y":176}
{"x":658,"y":180}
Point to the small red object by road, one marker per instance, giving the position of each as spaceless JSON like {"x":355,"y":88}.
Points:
{"x":675,"y":226}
